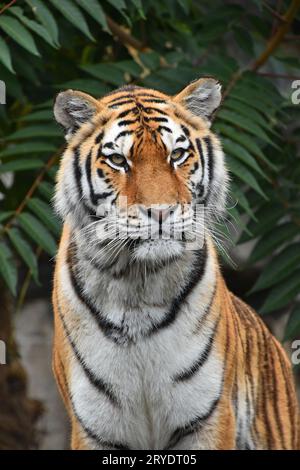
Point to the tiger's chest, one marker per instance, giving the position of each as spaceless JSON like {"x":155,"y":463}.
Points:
{"x":140,"y":396}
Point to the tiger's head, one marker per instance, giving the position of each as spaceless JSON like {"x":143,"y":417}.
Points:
{"x":137,"y":165}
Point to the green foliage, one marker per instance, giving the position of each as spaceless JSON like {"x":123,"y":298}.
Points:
{"x":60,"y":44}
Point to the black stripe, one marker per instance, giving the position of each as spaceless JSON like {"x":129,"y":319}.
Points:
{"x":77,"y":171}
{"x":193,"y":426}
{"x":154,"y":100}
{"x":210,"y":165}
{"x":99,"y":137}
{"x":182,"y":138}
{"x":122,"y":134}
{"x":100,"y":174}
{"x":122,"y":97}
{"x":156,"y":119}
{"x":127,"y":122}
{"x":288,"y":381}
{"x":126,"y":112}
{"x":280,"y":425}
{"x":120,"y":103}
{"x":109,"y":329}
{"x":109,"y":145}
{"x":203,"y":318}
{"x":150,"y":110}
{"x":182,"y":376}
{"x":94,"y":196}
{"x":142,"y":93}
{"x":195,"y":277}
{"x":97,"y":382}
{"x":91,"y":434}
{"x":265,"y":389}
{"x":164,"y":128}
{"x":88,"y":170}
{"x":78,"y":175}
{"x":186,"y":131}
{"x":200,"y":150}
{"x":195,"y":168}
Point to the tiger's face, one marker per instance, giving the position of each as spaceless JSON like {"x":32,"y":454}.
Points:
{"x":138,"y":166}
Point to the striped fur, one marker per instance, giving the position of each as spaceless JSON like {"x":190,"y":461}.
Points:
{"x":151,"y":350}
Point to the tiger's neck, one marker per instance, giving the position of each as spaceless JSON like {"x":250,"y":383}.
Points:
{"x":135,"y":299}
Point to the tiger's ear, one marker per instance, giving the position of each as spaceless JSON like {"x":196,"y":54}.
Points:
{"x":201,"y":97}
{"x":74,"y":108}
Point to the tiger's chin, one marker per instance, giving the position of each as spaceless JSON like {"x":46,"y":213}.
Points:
{"x":157,"y":250}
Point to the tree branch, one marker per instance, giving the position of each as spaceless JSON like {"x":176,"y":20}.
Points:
{"x":274,"y":13}
{"x":278,"y":36}
{"x":124,"y":36}
{"x":10,"y":4}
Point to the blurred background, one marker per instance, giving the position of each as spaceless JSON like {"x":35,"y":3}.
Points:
{"x":94,"y":46}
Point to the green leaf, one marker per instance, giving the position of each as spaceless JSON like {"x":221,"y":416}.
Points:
{"x":5,"y":56}
{"x":44,"y":115}
{"x":46,"y":190}
{"x":52,"y":172}
{"x":94,"y":87}
{"x":292,"y":328}
{"x":245,"y":140}
{"x":72,"y":13}
{"x":33,"y":25}
{"x":45,"y":214}
{"x":280,"y":267}
{"x":244,"y":40}
{"x":254,"y":89}
{"x":7,"y":268}
{"x":272,"y":240}
{"x":13,"y":86}
{"x":5,"y":215}
{"x":232,"y":148}
{"x":240,"y":198}
{"x":36,"y":230}
{"x":107,"y":72}
{"x":245,"y":124}
{"x":248,"y":112}
{"x":27,"y":148}
{"x":96,"y":11}
{"x":139,"y":6}
{"x":250,"y":99}
{"x":44,"y":104}
{"x":130,"y":67}
{"x":46,"y":18}
{"x":44,"y":130}
{"x":16,"y":31}
{"x":24,"y":250}
{"x":118,"y":4}
{"x":242,"y":172}
{"x":267,"y":215}
{"x":282,"y":294}
{"x":21,"y":165}
{"x":150,"y":59}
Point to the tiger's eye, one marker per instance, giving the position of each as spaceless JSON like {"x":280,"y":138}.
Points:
{"x":177,"y":154}
{"x":117,"y":159}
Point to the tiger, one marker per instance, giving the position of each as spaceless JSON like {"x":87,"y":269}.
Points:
{"x":151,"y":349}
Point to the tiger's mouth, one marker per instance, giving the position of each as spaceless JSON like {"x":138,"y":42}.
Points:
{"x":150,"y":234}
{"x":159,"y":244}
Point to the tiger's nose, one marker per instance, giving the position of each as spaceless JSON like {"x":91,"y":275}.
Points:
{"x":159,"y":214}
